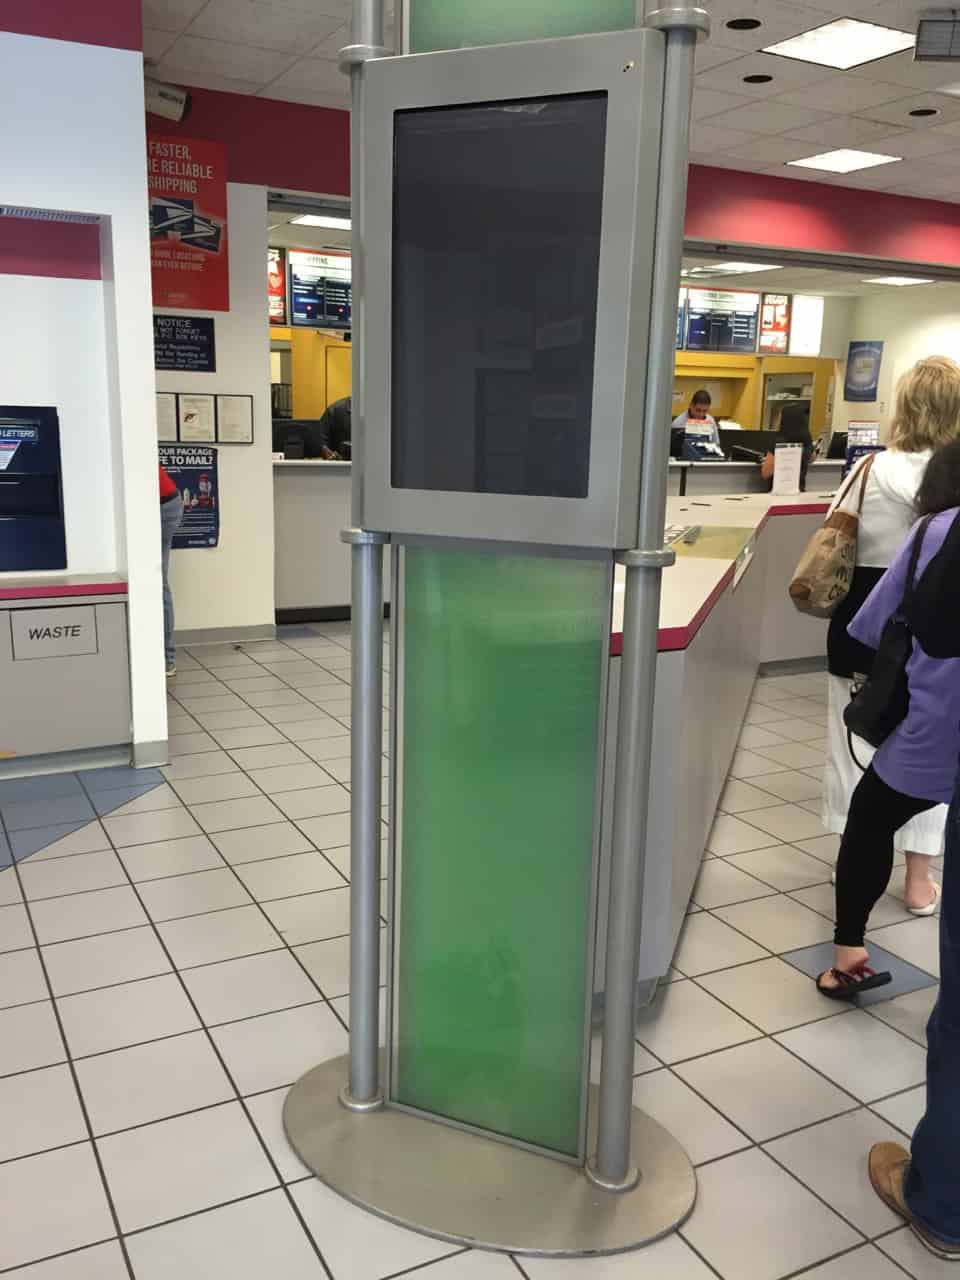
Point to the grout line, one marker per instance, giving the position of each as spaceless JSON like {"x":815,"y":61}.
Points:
{"x":66,"y":1253}
{"x":424,"y":1266}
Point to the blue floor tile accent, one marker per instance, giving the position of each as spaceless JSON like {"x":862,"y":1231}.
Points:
{"x":24,"y":843}
{"x":44,"y":786}
{"x":95,"y":780}
{"x":45,"y":813}
{"x":6,"y":857}
{"x":906,"y":977}
{"x":107,"y":801}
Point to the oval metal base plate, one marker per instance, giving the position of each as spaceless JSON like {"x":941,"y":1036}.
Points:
{"x":471,"y":1190}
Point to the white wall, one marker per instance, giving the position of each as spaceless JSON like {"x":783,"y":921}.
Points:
{"x":79,"y":144}
{"x":231,"y":586}
{"x":838,"y":314}
{"x":923,"y":320}
{"x":52,"y":353}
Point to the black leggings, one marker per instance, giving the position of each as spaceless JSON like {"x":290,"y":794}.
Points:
{"x":877,"y":813}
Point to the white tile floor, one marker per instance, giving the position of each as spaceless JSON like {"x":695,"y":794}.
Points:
{"x":167,"y":971}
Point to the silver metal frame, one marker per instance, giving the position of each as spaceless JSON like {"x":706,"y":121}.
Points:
{"x":395,"y":843}
{"x":628,"y":66}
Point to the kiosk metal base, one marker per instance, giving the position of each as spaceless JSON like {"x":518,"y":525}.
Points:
{"x":471,"y":1190}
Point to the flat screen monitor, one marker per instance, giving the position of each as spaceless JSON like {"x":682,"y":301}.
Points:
{"x":496,"y":258}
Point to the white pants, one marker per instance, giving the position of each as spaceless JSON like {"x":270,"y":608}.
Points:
{"x":923,"y":834}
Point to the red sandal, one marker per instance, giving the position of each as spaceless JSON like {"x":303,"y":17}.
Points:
{"x":853,"y":982}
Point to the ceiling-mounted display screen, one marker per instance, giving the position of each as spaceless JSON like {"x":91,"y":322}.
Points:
{"x":722,"y":320}
{"x":496,"y":257}
{"x":320,"y":289}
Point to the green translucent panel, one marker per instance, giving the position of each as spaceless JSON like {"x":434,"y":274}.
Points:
{"x":503,"y":660}
{"x":445,"y":24}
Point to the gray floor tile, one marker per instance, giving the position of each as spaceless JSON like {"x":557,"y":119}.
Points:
{"x":699,"y":1128}
{"x":190,"y":895}
{"x":254,"y":736}
{"x":303,"y":712}
{"x":88,"y":838}
{"x":21,"y":978}
{"x":733,"y":835}
{"x":314,"y":802}
{"x":356,"y":1245}
{"x":151,"y":1181}
{"x":311,"y":917}
{"x":338,"y":767}
{"x":917,"y":941}
{"x":719,"y":884}
{"x":783,"y":867}
{"x":267,"y":699}
{"x":202,"y":703}
{"x":206,"y":764}
{"x":146,"y":828}
{"x":740,"y":797}
{"x":52,"y":1203}
{"x":747,"y":766}
{"x":247,"y":718}
{"x":15,"y":931}
{"x":231,"y":815}
{"x":170,"y":858}
{"x":332,"y":832}
{"x":906,"y":1249}
{"x":101,"y":961}
{"x":753,"y":737}
{"x":275,"y":1050}
{"x":763,"y":1089}
{"x":286,"y":877}
{"x":224,"y":786}
{"x":788,"y":822}
{"x":248,"y":683}
{"x":133,"y":1012}
{"x":831,"y":1159}
{"x":706,"y":944}
{"x":24,"y":844}
{"x":149,"y":1082}
{"x":39,"y":1110}
{"x":799,"y":730}
{"x":136,"y":800}
{"x":29,"y":1038}
{"x":329,"y":963}
{"x":822,"y":898}
{"x":865,"y":1263}
{"x":814,"y":960}
{"x":260,"y":1237}
{"x":54,"y":877}
{"x":908,"y":1014}
{"x":753,"y":1221}
{"x":186,"y":744}
{"x":904,"y":1110}
{"x":20,"y":815}
{"x":863,"y":1056}
{"x":823,"y":847}
{"x":250,"y":986}
{"x":284,"y":778}
{"x":82,"y":915}
{"x":253,"y":844}
{"x":263,"y":757}
{"x":223,"y":935}
{"x":685,"y":1021}
{"x":96,"y":780}
{"x":94,"y":1262}
{"x":319,"y":731}
{"x":778,"y":923}
{"x":771,"y":994}
{"x":266,"y":1109}
{"x":670,"y":1259}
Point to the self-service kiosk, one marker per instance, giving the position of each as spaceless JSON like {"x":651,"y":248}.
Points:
{"x":518,"y":214}
{"x":31,"y":492}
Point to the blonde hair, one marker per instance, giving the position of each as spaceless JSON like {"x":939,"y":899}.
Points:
{"x":927,"y":413}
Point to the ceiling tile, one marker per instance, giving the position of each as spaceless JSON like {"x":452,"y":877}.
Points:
{"x":311,"y":75}
{"x":914,"y":144}
{"x":330,"y":47}
{"x":898,"y":113}
{"x":786,"y":75}
{"x":220,"y":58}
{"x":207,"y":80}
{"x":843,"y":93}
{"x":845,"y":131}
{"x":707,"y":137}
{"x":779,"y":19}
{"x":170,"y":15}
{"x":709,"y":54}
{"x":900,"y":68}
{"x":285,"y":27}
{"x":767,"y":151}
{"x":709,"y":103}
{"x":156,"y":43}
{"x":772,"y":117}
{"x":309,"y":98}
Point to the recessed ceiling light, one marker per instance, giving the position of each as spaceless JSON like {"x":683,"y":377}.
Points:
{"x":843,"y":161}
{"x":757,"y":79}
{"x":925,"y":111}
{"x":844,"y":43}
{"x":321,"y":220}
{"x":899,"y":281}
{"x":708,"y":269}
{"x":744,"y":24}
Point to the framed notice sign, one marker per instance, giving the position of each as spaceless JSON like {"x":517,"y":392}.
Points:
{"x":775,"y":324}
{"x":166,"y":415}
{"x":235,"y":419}
{"x":197,"y":418}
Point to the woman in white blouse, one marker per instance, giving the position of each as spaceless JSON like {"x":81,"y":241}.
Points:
{"x":927,"y":416}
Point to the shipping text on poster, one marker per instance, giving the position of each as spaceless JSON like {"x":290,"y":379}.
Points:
{"x":188,"y":223}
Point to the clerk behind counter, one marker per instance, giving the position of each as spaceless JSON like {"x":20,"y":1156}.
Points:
{"x":701,"y":435}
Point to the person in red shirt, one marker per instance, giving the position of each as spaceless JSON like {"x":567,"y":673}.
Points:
{"x":171,"y":513}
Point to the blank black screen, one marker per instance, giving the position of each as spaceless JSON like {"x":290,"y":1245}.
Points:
{"x":496,"y":255}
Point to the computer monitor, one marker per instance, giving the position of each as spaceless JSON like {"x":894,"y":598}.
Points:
{"x":761,"y":442}
{"x":838,"y":446}
{"x":676,"y":441}
{"x":297,"y":437}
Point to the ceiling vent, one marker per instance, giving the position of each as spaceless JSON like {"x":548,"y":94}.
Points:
{"x":938,"y":36}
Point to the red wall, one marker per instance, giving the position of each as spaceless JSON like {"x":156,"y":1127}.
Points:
{"x":755,"y":208}
{"x":70,"y":250}
{"x":117,"y":24}
{"x":270,"y":143}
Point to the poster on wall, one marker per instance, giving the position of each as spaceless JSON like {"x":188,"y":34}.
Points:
{"x":184,"y":344}
{"x":863,"y":372}
{"x":193,"y":469}
{"x":320,"y":289}
{"x":187,"y":180}
{"x":276,"y":286}
{"x":775,"y":324}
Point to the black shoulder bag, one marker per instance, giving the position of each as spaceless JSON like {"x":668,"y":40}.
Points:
{"x":882,"y":701}
{"x":934,"y":614}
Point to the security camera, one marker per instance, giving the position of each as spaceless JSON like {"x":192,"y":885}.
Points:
{"x":165,"y":100}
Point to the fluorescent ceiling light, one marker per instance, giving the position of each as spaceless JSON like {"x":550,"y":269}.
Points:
{"x":728,"y":269}
{"x":899,"y":281}
{"x":321,"y":220}
{"x":843,"y":161}
{"x":843,"y":44}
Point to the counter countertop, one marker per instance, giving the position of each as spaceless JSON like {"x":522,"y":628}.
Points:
{"x":311,"y":464}
{"x":692,"y":586}
{"x":821,"y":463}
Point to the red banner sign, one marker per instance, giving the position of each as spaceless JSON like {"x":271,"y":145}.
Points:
{"x":188,"y":223}
{"x":277,"y":286}
{"x":775,"y":323}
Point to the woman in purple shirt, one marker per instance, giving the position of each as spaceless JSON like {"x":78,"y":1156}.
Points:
{"x":915,"y":768}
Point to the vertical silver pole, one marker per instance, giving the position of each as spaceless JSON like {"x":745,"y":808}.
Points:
{"x":612,"y":1167}
{"x":362,"y":1092}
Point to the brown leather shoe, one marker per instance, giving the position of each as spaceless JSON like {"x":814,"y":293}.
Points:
{"x":888,"y":1165}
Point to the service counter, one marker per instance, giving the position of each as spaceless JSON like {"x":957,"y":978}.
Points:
{"x":724,"y":611}
{"x":690,"y":479}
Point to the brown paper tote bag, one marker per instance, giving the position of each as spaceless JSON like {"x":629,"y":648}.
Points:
{"x":823,"y":576}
